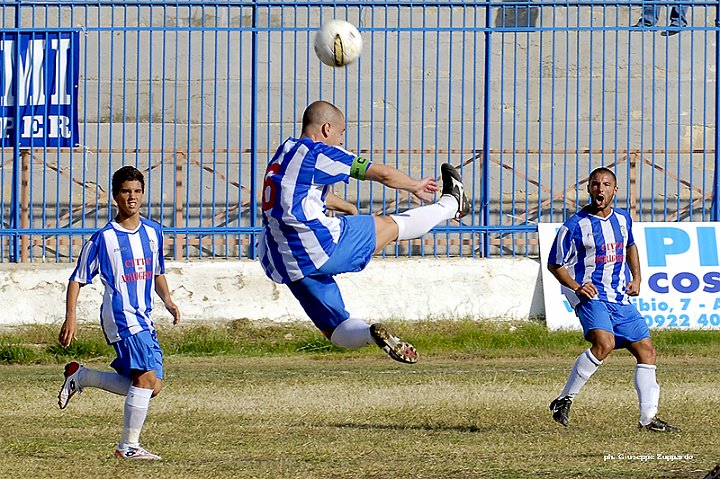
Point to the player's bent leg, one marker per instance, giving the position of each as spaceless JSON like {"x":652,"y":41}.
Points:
{"x":386,"y":231}
{"x":603,"y":343}
{"x":321,"y":300}
{"x":644,"y":351}
{"x":144,"y":379}
{"x":158,"y":387}
{"x":105,"y":380}
{"x":352,"y":333}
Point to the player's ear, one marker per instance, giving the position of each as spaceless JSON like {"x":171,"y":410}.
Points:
{"x":325,"y":129}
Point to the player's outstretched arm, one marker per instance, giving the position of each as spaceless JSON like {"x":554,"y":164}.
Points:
{"x":162,"y":290}
{"x":389,"y":176}
{"x":68,"y":330}
{"x":335,"y":203}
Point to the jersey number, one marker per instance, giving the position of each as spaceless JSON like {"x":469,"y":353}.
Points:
{"x":269,"y":187}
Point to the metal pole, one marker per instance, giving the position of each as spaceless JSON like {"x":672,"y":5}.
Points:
{"x":484,"y":194}
{"x":715,"y":207}
{"x":15,"y":249}
{"x":253,"y":131}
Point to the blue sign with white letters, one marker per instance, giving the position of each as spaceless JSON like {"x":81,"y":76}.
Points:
{"x":39,"y":88}
{"x":680,"y":268}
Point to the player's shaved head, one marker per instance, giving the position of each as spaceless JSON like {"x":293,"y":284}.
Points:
{"x":319,"y":113}
{"x":600,"y":170}
{"x":324,"y":122}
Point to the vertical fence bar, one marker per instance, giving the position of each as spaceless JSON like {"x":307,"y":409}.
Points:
{"x":24,"y":204}
{"x":253,"y":129}
{"x":715,"y":212}
{"x":484,"y":192}
{"x":14,"y":209}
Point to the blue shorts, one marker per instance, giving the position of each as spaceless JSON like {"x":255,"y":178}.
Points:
{"x":139,"y":352}
{"x":622,"y":320}
{"x":355,"y":247}
{"x":318,"y":293}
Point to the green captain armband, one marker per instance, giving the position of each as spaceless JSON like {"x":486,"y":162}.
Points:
{"x":359,"y":167}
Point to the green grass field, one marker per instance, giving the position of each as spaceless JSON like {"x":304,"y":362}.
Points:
{"x":243,"y":401}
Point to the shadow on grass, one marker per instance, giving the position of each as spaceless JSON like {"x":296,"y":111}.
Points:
{"x":403,"y":427}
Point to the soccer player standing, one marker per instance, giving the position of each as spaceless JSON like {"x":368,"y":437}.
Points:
{"x":128,"y":256}
{"x":595,"y":259}
{"x":302,"y":247}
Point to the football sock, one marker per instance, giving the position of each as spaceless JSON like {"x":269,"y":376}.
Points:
{"x":416,"y":222}
{"x":585,"y":365}
{"x":648,"y":391}
{"x":137,"y":404}
{"x":111,"y":382}
{"x":352,"y":333}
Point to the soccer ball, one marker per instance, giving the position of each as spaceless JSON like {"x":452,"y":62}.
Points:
{"x":338,"y":43}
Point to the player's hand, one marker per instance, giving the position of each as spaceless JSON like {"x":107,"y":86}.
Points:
{"x":587,"y":290}
{"x":633,"y":288}
{"x":68,"y":331}
{"x":425,"y":189}
{"x":174,"y":310}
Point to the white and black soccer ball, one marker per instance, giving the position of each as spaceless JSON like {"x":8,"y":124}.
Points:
{"x":338,"y":43}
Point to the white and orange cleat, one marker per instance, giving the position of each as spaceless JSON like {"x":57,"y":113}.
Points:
{"x":136,"y":453}
{"x":71,"y":385}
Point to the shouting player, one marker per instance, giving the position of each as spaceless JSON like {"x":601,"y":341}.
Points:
{"x":595,"y":259}
{"x":302,"y":247}
{"x":128,"y":256}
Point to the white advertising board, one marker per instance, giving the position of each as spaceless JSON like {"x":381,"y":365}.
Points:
{"x":680,"y":276}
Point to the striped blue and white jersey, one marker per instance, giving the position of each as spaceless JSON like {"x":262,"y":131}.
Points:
{"x":127,"y":262}
{"x":594,"y":249}
{"x":298,"y":237}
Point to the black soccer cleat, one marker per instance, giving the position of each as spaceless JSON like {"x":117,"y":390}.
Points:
{"x":714,"y":474}
{"x":395,"y":347}
{"x":560,"y":409}
{"x":658,"y":425}
{"x":452,"y":185}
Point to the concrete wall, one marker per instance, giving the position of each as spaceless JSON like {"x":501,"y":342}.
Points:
{"x":407,"y":289}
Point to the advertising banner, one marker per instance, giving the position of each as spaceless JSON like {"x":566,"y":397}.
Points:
{"x":39,"y":88}
{"x":680,"y":276}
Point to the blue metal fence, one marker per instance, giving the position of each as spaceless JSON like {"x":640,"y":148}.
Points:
{"x":525,"y":97}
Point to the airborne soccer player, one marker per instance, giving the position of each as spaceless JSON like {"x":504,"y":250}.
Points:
{"x":595,"y":259}
{"x":302,"y":247}
{"x":127,"y":254}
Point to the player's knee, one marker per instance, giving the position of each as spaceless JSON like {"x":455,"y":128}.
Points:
{"x":648,"y":354}
{"x":157,"y":388}
{"x":603,"y":348}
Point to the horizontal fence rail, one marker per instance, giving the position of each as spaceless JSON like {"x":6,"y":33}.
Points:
{"x":525,"y":98}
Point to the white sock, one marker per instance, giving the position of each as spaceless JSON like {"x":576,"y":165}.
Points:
{"x":352,"y":333}
{"x":585,"y":366}
{"x":648,"y":391}
{"x":137,"y":404}
{"x":416,"y":222}
{"x":111,"y":382}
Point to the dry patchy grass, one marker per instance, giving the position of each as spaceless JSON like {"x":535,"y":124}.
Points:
{"x":366,"y":417}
